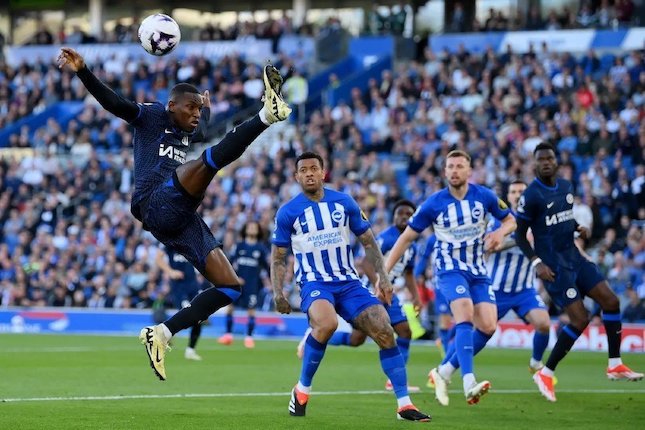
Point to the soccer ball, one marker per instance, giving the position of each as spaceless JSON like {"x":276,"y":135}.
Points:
{"x":159,"y":34}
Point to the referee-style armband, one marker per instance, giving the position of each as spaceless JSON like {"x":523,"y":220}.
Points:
{"x":535,"y":262}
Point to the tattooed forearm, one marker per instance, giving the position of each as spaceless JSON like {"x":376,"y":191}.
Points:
{"x":373,"y":253}
{"x":278,"y":268}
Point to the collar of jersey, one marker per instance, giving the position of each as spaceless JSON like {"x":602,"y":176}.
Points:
{"x":542,"y":184}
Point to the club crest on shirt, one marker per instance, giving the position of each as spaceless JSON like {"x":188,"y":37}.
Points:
{"x":570,"y":198}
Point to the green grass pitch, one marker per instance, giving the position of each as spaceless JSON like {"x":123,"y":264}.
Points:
{"x":92,"y":382}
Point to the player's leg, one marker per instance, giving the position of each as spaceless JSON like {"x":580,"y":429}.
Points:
{"x":194,"y":176}
{"x":442,"y":310}
{"x":610,"y":305}
{"x":533,"y":310}
{"x":354,"y":338}
{"x":250,"y":325}
{"x":323,"y":323}
{"x":375,"y":322}
{"x":403,"y":340}
{"x":195,"y":332}
{"x":227,"y":337}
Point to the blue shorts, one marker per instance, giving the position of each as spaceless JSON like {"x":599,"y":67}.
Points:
{"x":350,"y":298}
{"x":522,"y":303}
{"x":169,"y":214}
{"x":441,"y":306}
{"x":573,"y":283}
{"x":395,"y":311}
{"x":463,"y":285}
{"x":181,"y":292}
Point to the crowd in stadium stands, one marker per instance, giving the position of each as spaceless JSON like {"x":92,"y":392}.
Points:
{"x":68,"y":239}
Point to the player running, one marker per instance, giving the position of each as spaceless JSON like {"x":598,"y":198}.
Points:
{"x":168,"y":189}
{"x":546,"y":208}
{"x":458,"y":216}
{"x":316,"y":224}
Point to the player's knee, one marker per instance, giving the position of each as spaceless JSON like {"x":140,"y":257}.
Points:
{"x":404,"y":331}
{"x":488,"y":327}
{"x":384,"y":337}
{"x":611,"y":304}
{"x":325,"y":329}
{"x":543,"y":325}
{"x":580,"y":322}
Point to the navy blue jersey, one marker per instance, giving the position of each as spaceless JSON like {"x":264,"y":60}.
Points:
{"x":249,"y":260}
{"x":549,"y":212}
{"x":179,"y":262}
{"x":159,"y":147}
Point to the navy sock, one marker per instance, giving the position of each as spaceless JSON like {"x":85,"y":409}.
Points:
{"x":404,"y":347}
{"x":251,"y":326}
{"x":202,"y":306}
{"x":339,"y":338}
{"x":195,"y":331}
{"x":613,"y":327}
{"x":233,"y":145}
{"x":313,"y":354}
{"x":394,"y":367}
{"x":566,"y":339}
{"x":540,"y":342}
{"x":229,"y":323}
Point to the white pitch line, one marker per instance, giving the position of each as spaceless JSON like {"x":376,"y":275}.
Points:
{"x":283,"y":394}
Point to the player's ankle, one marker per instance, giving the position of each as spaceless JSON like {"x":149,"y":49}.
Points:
{"x":613,"y":362}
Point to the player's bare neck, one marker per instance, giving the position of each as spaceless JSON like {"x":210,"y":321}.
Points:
{"x":549,"y":181}
{"x":315,"y":196}
{"x":458,"y":192}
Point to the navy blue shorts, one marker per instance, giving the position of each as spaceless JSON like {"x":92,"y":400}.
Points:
{"x":573,"y":283}
{"x":248,"y":299}
{"x":169,"y":214}
{"x":182,"y":293}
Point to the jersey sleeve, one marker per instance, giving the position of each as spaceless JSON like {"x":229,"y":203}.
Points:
{"x":358,"y":222}
{"x":149,"y":114}
{"x":526,"y":207}
{"x":282,"y":231}
{"x":410,"y":265}
{"x":422,"y":263}
{"x":384,"y":245}
{"x":423,"y":217}
{"x":493,"y":224}
{"x":496,"y":206}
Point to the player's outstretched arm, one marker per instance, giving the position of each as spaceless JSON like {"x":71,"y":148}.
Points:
{"x":278,"y":274}
{"x":374,"y":257}
{"x":111,"y":101}
{"x":402,"y":243}
{"x":495,"y":239}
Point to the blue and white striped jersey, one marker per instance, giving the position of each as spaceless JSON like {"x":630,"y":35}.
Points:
{"x":386,"y":240}
{"x":319,"y":235}
{"x":460,"y":226}
{"x":510,"y":270}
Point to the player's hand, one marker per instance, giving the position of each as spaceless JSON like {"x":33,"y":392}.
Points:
{"x":282,"y":304}
{"x":544,"y":272}
{"x":384,"y":289}
{"x":176,"y":274}
{"x":70,"y":58}
{"x":493,"y":241}
{"x":416,"y":302}
{"x":242,"y":281}
{"x":206,"y":99}
{"x":583,"y":232}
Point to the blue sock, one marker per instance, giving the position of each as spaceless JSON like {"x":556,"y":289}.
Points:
{"x":464,"y":346}
{"x":251,"y":326}
{"x":313,"y":354}
{"x":394,"y":367}
{"x":450,"y":352}
{"x":540,"y":342}
{"x":404,"y":348}
{"x":229,"y":323}
{"x":479,"y":342}
{"x":339,"y":338}
{"x":444,"y":335}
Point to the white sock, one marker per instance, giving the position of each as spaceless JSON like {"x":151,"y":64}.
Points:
{"x":446,"y":371}
{"x":302,"y":388}
{"x":263,"y":116}
{"x":613,"y":362}
{"x":403,"y":401}
{"x":469,"y":381}
{"x":534,"y":363}
{"x":547,"y":372}
{"x":189,"y":349}
{"x":166,"y":332}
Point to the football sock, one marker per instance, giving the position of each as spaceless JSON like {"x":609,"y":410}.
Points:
{"x":313,"y":354}
{"x":464,"y":346}
{"x":195,"y":331}
{"x":251,"y":326}
{"x":404,"y":347}
{"x":233,"y":145}
{"x":566,"y":339}
{"x":444,"y":335}
{"x":339,"y":338}
{"x":394,"y":368}
{"x":479,"y":342}
{"x":468,"y":380}
{"x":613,"y":327}
{"x":446,"y":370}
{"x":229,"y":323}
{"x":450,"y":351}
{"x":540,"y":342}
{"x":202,"y":306}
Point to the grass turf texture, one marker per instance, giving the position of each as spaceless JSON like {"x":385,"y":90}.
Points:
{"x":106,"y":383}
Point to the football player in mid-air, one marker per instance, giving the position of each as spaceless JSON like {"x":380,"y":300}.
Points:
{"x":546,"y":207}
{"x":168,"y":188}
